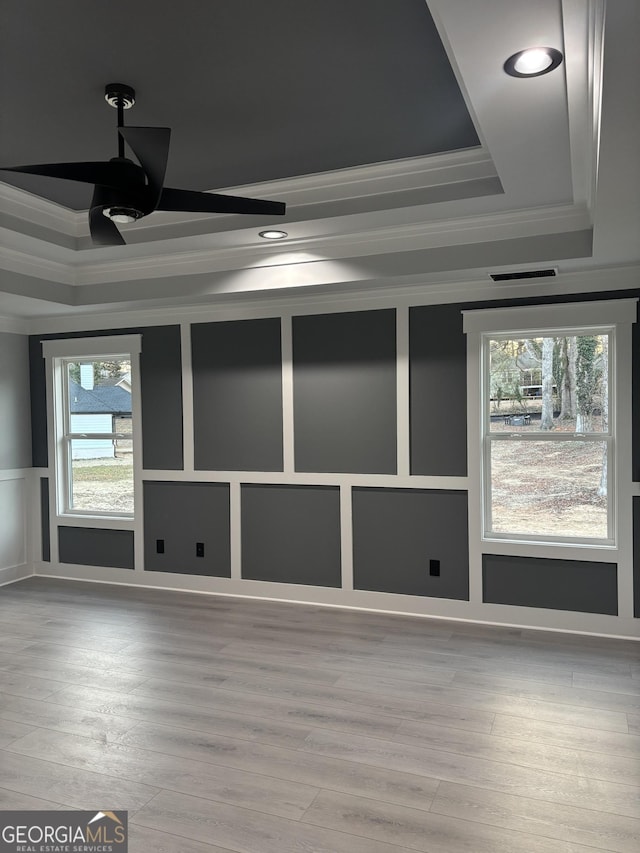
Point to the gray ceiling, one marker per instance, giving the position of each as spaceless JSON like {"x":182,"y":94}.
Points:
{"x":253,"y":90}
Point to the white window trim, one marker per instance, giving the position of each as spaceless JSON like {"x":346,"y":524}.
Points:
{"x":609,"y":438}
{"x":57,"y":353}
{"x":620,"y":313}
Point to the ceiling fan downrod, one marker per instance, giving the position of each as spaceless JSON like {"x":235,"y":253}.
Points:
{"x":121,"y":97}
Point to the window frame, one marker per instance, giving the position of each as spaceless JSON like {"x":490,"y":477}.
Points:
{"x":59,"y":354}
{"x":551,"y":319}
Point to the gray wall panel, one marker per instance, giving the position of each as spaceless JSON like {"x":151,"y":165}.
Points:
{"x":45,"y":526}
{"x":575,"y":585}
{"x":636,"y":557}
{"x":89,"y":546}
{"x":344,"y":377}
{"x":181,"y":515}
{"x":635,"y":398}
{"x":396,"y":532}
{"x":438,"y":391}
{"x":161,"y":390}
{"x":15,"y":405}
{"x":291,"y":534}
{"x":237,"y":395}
{"x":39,"y":441}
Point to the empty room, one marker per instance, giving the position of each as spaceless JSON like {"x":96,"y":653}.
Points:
{"x":319,"y":426}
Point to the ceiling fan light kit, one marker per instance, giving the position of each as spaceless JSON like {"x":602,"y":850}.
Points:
{"x":125,"y":191}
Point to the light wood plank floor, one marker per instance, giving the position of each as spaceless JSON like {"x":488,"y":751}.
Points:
{"x":257,"y":727}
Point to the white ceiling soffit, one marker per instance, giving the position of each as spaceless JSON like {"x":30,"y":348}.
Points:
{"x":526,"y":196}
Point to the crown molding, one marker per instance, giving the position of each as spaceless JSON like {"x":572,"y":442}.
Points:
{"x":13,"y":326}
{"x":395,"y":238}
{"x":38,"y":211}
{"x":339,"y":185}
{"x":13,"y":260}
{"x":420,"y":290}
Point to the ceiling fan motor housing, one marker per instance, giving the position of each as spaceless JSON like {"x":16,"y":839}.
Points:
{"x":120,"y":95}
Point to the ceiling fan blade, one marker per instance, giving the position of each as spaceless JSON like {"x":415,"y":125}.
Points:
{"x":151,"y":147}
{"x":106,"y":173}
{"x":195,"y":202}
{"x":104,"y":231}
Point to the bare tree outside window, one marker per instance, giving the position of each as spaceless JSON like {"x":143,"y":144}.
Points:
{"x":548,"y":436}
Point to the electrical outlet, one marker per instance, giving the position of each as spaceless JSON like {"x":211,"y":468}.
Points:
{"x":434,"y":568}
{"x":199,"y":549}
{"x":159,"y":546}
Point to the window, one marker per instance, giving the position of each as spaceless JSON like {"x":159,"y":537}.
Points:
{"x":551,"y":386}
{"x":94,"y":425}
{"x":549,"y":435}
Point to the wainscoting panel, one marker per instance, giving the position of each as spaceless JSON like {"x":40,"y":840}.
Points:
{"x":582,"y":586}
{"x":13,"y":536}
{"x":92,"y":546}
{"x":291,"y":534}
{"x":397,"y":533}
{"x":183,"y":521}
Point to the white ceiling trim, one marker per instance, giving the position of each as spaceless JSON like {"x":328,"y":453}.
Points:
{"x":38,"y":211}
{"x":12,"y":260}
{"x":354,"y":296}
{"x":343,"y":184}
{"x":416,"y":236}
{"x":13,"y":325}
{"x":422,"y":235}
{"x":583,"y":26}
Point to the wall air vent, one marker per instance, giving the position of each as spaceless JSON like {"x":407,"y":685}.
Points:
{"x":512,"y":276}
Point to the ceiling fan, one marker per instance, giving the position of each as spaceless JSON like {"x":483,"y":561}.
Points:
{"x":125,"y":191}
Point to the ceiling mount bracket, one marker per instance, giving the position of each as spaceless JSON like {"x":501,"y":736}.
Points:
{"x":119,"y":95}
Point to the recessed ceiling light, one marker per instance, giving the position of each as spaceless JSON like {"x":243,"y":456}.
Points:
{"x":273,"y":235}
{"x":533,"y":62}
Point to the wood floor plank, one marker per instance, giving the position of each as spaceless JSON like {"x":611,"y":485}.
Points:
{"x":428,"y":832}
{"x":633,"y":721}
{"x":197,"y":778}
{"x":489,"y":701}
{"x":611,"y":743}
{"x":247,"y":831}
{"x":605,"y":700}
{"x":334,"y":774}
{"x":11,"y":730}
{"x":524,"y":781}
{"x":143,"y":839}
{"x":62,"y":718}
{"x":516,"y":750}
{"x":540,"y":818}
{"x":196,"y":665}
{"x":176,"y":713}
{"x":610,"y":683}
{"x":312,"y":712}
{"x":69,"y":786}
{"x":24,"y":665}
{"x":29,"y":686}
{"x":22,"y":802}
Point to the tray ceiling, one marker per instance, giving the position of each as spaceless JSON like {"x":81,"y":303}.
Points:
{"x":403,"y":151}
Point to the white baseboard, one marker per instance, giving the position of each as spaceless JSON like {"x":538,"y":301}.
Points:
{"x":527,"y":618}
{"x":15,"y":573}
